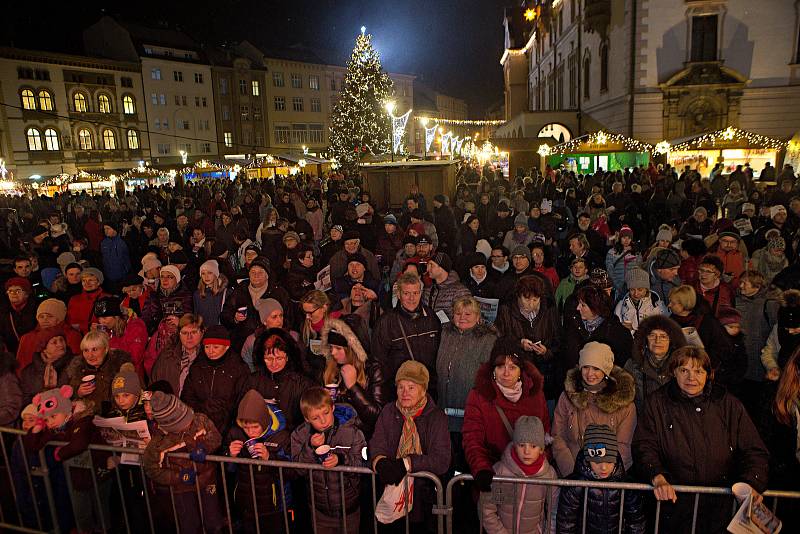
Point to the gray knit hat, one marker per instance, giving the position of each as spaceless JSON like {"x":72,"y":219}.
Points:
{"x":636,"y":277}
{"x":529,"y":429}
{"x":94,"y":271}
{"x":521,"y":220}
{"x":521,"y":250}
{"x":600,"y":444}
{"x":171,"y":414}
{"x":265,"y":307}
{"x":126,"y":381}
{"x":664,"y":235}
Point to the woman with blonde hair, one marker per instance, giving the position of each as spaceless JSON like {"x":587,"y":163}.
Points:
{"x":91,"y":373}
{"x":316,"y":309}
{"x":211,"y":292}
{"x":350,"y":375}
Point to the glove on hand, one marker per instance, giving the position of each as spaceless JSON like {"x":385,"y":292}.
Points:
{"x":483,"y":480}
{"x":391,"y":470}
{"x":199,"y":453}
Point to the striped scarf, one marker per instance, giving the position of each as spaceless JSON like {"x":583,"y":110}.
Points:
{"x":409,"y":439}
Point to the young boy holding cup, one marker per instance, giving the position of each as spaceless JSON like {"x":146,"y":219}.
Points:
{"x":260,"y":434}
{"x":330,"y":437}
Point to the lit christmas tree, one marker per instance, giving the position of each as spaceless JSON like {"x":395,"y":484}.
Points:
{"x":359,"y":123}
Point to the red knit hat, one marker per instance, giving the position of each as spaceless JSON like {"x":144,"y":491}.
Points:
{"x":19,"y":282}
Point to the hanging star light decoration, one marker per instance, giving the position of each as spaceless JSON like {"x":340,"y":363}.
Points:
{"x":661,"y":148}
{"x":544,"y":150}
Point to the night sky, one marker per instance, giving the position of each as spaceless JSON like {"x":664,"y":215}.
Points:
{"x":453,"y":45}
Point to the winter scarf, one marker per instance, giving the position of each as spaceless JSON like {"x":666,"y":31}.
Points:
{"x":513,"y":393}
{"x":592,"y":325}
{"x":255,"y":294}
{"x":597,"y":388}
{"x":409,"y":439}
{"x":529,"y":470}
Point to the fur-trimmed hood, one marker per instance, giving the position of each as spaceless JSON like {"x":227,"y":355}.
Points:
{"x":339,"y":326}
{"x":656,"y":322}
{"x":790,"y":298}
{"x":532,"y":380}
{"x":618,"y":393}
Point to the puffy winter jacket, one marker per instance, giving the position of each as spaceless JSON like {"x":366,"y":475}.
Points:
{"x":602,"y":505}
{"x":617,"y":265}
{"x":285,"y":387}
{"x":577,"y":408}
{"x":533,"y":502}
{"x":708,"y":440}
{"x":80,"y":310}
{"x":167,"y":472}
{"x":327,"y":485}
{"x":722,"y":295}
{"x":368,"y":400}
{"x":209,"y":306}
{"x":628,"y":311}
{"x":646,"y":377}
{"x":460,"y":356}
{"x":214,"y":387}
{"x":32,"y":378}
{"x":484,"y":435}
{"x":15,"y":324}
{"x":29,"y":343}
{"x":134,"y":342}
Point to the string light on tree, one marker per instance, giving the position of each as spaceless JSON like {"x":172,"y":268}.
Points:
{"x":359,"y":122}
{"x":462,"y":122}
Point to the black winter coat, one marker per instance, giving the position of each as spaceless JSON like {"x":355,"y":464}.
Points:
{"x":240,"y":298}
{"x":707,"y":440}
{"x":31,"y":379}
{"x":214,"y":387}
{"x":727,"y":368}
{"x":603,"y":505}
{"x":545,"y":328}
{"x":15,"y":324}
{"x":422,"y":332}
{"x":157,"y":306}
{"x":611,"y":332}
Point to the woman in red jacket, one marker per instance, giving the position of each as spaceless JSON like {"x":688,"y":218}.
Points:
{"x":506,"y":388}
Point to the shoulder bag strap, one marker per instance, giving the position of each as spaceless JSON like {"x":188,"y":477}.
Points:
{"x":405,"y":338}
{"x":506,"y":423}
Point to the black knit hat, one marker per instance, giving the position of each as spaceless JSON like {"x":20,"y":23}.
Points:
{"x":715,"y":261}
{"x":260,"y":261}
{"x":443,"y":260}
{"x":178,"y":257}
{"x":475,"y":259}
{"x":107,"y":307}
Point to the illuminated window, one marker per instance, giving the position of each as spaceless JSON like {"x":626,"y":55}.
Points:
{"x":79,"y":102}
{"x":45,"y":100}
{"x":228,"y":139}
{"x":103,"y":104}
{"x":85,"y":139}
{"x":51,"y":139}
{"x":34,"y":139}
{"x":256,"y":88}
{"x":128,"y":105}
{"x":313,"y":82}
{"x":28,"y":100}
{"x":133,"y":139}
{"x":109,"y":140}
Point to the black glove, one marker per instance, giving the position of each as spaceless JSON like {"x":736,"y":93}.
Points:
{"x":483,"y":480}
{"x":391,"y":470}
{"x":199,"y":453}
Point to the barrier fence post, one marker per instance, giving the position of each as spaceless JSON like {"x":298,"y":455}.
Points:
{"x":121,"y":495}
{"x":283,"y":500}
{"x":29,"y":478}
{"x":7,"y":463}
{"x":227,"y":503}
{"x":146,"y":497}
{"x":48,"y":489}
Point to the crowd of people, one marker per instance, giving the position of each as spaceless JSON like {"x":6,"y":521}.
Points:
{"x":638,"y":325}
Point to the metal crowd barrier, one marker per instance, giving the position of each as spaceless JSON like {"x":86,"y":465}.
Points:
{"x":586,"y":485}
{"x":47,"y":520}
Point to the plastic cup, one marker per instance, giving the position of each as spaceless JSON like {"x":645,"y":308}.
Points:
{"x":242,"y":310}
{"x":333,"y":389}
{"x":89,"y":379}
{"x":323,"y":452}
{"x":250,"y":444}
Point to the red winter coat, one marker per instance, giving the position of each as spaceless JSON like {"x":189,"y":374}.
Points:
{"x":80,"y":310}
{"x":484,"y":435}
{"x":687,"y":272}
{"x":722,"y":295}
{"x":134,"y":342}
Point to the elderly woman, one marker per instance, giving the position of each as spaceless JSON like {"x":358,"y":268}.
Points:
{"x":770,"y":260}
{"x":270,"y":312}
{"x":466,"y":345}
{"x":693,"y":432}
{"x":694,"y":316}
{"x":278,"y":375}
{"x":174,"y":360}
{"x":81,"y":307}
{"x":91,"y":373}
{"x":48,"y":368}
{"x":506,"y":388}
{"x":656,"y":339}
{"x":598,"y":392}
{"x":358,"y":379}
{"x":211,"y":292}
{"x":414,"y":429}
{"x":531,"y":318}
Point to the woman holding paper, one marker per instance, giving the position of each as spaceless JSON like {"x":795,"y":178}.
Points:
{"x":693,"y":432}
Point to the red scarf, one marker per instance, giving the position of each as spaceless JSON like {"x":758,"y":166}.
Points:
{"x":19,"y":306}
{"x":527,"y":469}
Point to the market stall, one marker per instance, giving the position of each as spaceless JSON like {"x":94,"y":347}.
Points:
{"x":144,"y":176}
{"x":730,"y":146}
{"x":599,"y":150}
